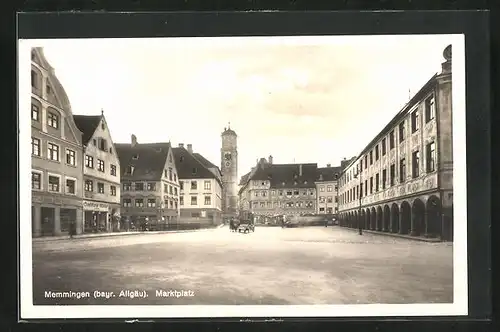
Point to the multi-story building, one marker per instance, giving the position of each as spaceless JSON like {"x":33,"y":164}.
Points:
{"x":56,"y":150}
{"x":149,"y":183}
{"x":200,"y":185}
{"x":402,"y":182}
{"x":279,"y":189}
{"x":327,"y":189}
{"x":101,"y":175}
{"x":229,"y":168}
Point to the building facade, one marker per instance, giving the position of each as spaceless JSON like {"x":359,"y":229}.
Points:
{"x":279,"y":189}
{"x":149,"y":184}
{"x":402,"y":182}
{"x":200,"y":186}
{"x":229,"y":168}
{"x":101,"y":175}
{"x":56,"y":150}
{"x":327,"y":190}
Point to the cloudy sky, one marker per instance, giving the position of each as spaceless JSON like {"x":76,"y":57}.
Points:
{"x":299,"y":99}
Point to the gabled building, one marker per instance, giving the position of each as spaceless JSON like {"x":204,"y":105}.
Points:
{"x":149,"y":184}
{"x":56,"y":154}
{"x":101,"y":175}
{"x":200,"y":186}
{"x":279,"y":189}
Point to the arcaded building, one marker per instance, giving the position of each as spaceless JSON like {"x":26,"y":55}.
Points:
{"x":101,"y":175}
{"x":56,"y":154}
{"x":149,"y":184}
{"x":200,"y":183}
{"x":279,"y":189}
{"x":229,"y":169}
{"x":402,"y":182}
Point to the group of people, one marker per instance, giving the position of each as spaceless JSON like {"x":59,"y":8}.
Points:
{"x":233,"y":225}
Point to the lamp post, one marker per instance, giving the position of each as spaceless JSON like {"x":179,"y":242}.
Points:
{"x":360,"y":194}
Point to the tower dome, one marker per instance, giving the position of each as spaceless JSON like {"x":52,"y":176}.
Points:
{"x":228,"y":131}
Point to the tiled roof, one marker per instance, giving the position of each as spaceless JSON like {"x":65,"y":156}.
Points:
{"x":190,"y":167}
{"x":87,"y":125}
{"x":328,"y":173}
{"x":244,"y":179}
{"x":204,"y":161}
{"x":150,"y":162}
{"x":287,"y":175}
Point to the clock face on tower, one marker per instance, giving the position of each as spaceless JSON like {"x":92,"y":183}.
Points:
{"x":228,"y":163}
{"x":227,"y":156}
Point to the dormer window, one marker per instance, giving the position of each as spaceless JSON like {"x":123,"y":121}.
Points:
{"x":181,"y":159}
{"x":295,"y":176}
{"x":195,"y":170}
{"x":103,"y":126}
{"x":129,"y":170}
{"x":283,"y":184}
{"x":135,"y":156}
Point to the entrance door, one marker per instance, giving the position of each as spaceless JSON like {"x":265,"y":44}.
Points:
{"x":48,"y":221}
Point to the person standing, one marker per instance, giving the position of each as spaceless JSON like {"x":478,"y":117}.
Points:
{"x":72,"y":229}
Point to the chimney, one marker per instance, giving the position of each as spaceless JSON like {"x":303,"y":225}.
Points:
{"x":328,"y":165}
{"x":134,"y":140}
{"x":190,"y":148}
{"x":181,"y":145}
{"x":446,"y":66}
{"x":270,"y":159}
{"x":300,"y":170}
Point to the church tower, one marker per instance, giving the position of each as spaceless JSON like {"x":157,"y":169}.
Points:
{"x":229,"y":168}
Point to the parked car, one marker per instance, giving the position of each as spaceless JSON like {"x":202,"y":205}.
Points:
{"x":246,"y":228}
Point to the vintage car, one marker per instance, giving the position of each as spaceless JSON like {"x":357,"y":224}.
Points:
{"x":246,"y":227}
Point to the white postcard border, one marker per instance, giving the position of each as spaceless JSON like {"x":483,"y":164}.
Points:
{"x":460,"y":289}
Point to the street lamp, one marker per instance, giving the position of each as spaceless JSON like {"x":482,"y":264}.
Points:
{"x":360,"y":194}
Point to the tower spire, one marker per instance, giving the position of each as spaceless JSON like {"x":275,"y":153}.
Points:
{"x":229,"y":125}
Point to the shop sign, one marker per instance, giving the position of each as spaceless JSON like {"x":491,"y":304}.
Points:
{"x":95,"y":206}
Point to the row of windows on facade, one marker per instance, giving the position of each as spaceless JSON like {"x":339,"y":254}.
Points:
{"x":207,"y":185}
{"x":194,"y":200}
{"x":129,"y":170}
{"x":295,"y":182}
{"x":89,"y":187}
{"x":327,"y":199}
{"x":358,"y":192}
{"x":89,"y":162}
{"x":52,"y":117}
{"x":53,"y":184}
{"x":415,"y":126}
{"x":34,"y":82}
{"x":53,"y":121}
{"x":288,"y":193}
{"x":329,"y":210}
{"x":150,"y":203}
{"x":148,"y":186}
{"x":270,"y":205}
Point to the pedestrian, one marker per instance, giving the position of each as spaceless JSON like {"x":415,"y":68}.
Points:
{"x":72,"y":229}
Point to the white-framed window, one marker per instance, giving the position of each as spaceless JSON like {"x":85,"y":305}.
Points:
{"x":100,"y":165}
{"x":70,"y":185}
{"x":127,"y":202}
{"x":207,"y":185}
{"x":321,"y":199}
{"x":36,"y":180}
{"x":100,"y":188}
{"x":194,"y":200}
{"x":329,"y":188}
{"x":194,"y":185}
{"x":113,"y":190}
{"x":89,"y":185}
{"x":208,"y":200}
{"x":139,"y":202}
{"x":53,"y":119}
{"x":321,"y":188}
{"x":181,"y":200}
{"x":113,"y":170}
{"x":54,"y":182}
{"x":151,"y":202}
{"x":35,"y":146}
{"x":35,"y":113}
{"x":89,"y":161}
{"x":70,"y":157}
{"x":52,"y":151}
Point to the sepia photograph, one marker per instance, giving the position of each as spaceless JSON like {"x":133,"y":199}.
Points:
{"x":243,"y":176}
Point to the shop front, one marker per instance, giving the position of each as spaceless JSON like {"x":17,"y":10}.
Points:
{"x":52,"y":215}
{"x":96,"y":217}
